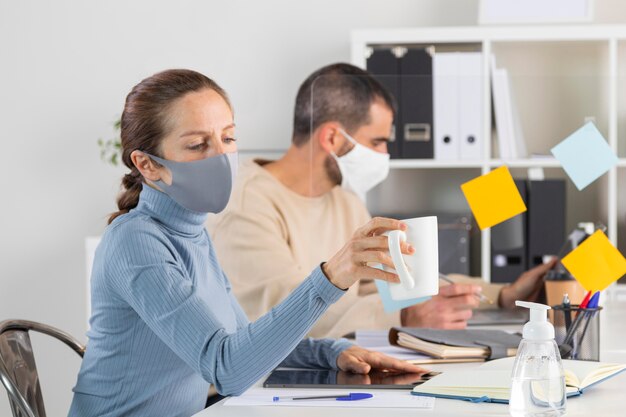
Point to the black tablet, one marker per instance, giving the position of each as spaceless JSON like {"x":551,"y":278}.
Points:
{"x":324,"y":378}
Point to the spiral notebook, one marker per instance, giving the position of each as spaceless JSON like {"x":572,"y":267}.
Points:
{"x":490,"y":382}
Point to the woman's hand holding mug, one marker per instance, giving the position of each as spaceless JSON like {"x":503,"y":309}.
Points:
{"x":368,"y":244}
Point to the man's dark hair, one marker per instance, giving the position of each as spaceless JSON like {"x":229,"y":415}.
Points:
{"x":338,"y":92}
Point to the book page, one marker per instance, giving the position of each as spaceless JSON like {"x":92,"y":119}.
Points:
{"x":579,"y":374}
{"x":494,"y":384}
{"x":590,"y":372}
{"x":572,"y":378}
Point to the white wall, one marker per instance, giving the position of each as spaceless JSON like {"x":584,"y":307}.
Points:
{"x":65,"y":68}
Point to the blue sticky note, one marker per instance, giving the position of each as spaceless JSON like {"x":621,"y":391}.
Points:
{"x":391,"y":305}
{"x":585,"y":155}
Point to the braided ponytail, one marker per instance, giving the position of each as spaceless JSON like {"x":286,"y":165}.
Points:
{"x":129,"y":197}
{"x":143,"y":123}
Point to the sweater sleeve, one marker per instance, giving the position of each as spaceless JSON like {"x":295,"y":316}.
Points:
{"x":316,"y":353}
{"x":145,"y":273}
{"x":309,"y":353}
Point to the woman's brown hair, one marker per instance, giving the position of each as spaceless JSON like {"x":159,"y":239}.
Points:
{"x":143,"y":124}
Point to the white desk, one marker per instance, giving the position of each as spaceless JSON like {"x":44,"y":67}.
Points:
{"x":605,"y":400}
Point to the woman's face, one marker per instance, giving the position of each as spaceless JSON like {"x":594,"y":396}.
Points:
{"x":198,"y":125}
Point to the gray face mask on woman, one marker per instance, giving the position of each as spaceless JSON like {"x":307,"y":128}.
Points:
{"x":203,"y":185}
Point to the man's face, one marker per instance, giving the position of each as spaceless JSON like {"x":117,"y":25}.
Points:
{"x":374,"y":135}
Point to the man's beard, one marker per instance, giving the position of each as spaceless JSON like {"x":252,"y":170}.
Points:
{"x":332,"y":170}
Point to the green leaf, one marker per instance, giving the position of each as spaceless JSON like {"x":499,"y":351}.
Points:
{"x":110,"y":149}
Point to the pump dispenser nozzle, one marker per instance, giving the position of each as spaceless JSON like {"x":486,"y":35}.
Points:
{"x":538,"y":327}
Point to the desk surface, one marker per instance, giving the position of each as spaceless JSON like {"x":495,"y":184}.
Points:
{"x":607,"y":399}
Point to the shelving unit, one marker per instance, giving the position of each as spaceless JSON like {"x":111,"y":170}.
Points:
{"x":589,"y":57}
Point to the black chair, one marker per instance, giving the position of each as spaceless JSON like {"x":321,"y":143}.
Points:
{"x":18,"y":371}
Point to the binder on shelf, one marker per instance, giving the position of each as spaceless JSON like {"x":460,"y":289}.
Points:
{"x":470,"y":88}
{"x":498,"y":81}
{"x":446,"y":106}
{"x":384,"y":65}
{"x":546,"y":219}
{"x":458,"y":105}
{"x":416,"y":103}
{"x":508,"y":125}
{"x":508,"y":244}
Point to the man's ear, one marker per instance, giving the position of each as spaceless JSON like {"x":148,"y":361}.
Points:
{"x":328,"y":136}
{"x":146,"y":165}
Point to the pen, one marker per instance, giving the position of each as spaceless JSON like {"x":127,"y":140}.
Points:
{"x":579,"y":316}
{"x":353,"y":396}
{"x":567,"y":312}
{"x":584,"y":302}
{"x":593,"y":303}
{"x":449,"y":280}
{"x":577,"y":322}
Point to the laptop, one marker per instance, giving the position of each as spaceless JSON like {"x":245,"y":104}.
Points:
{"x":497,"y":317}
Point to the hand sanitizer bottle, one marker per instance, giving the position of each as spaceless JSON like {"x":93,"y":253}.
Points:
{"x":538,"y":380}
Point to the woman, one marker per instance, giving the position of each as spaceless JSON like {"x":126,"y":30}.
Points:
{"x":164,"y":323}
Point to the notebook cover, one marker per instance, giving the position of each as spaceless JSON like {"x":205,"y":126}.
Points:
{"x":462,"y":338}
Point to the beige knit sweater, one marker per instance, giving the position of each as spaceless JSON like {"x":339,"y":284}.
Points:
{"x":269,"y":239}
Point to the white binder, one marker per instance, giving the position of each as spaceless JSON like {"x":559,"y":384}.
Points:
{"x":446,"y":106}
{"x":499,"y":80}
{"x":509,"y":129}
{"x":470,"y":87}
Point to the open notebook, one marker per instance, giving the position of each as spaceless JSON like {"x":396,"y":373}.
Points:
{"x":490,"y":382}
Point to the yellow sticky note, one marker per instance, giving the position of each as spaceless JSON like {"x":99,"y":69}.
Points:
{"x":595,"y":263}
{"x":493,"y":197}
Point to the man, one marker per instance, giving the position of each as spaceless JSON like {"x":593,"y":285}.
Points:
{"x":287,"y":216}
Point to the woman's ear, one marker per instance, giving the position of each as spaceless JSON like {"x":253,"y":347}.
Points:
{"x":146,"y":166}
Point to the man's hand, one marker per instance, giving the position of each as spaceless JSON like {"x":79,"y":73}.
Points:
{"x":450,"y":309}
{"x":527,"y":287}
{"x":357,"y":360}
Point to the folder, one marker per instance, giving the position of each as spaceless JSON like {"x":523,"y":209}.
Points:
{"x":446,"y":106}
{"x":385,"y":67}
{"x":416,"y":103}
{"x":508,"y":244}
{"x":546,"y":219}
{"x":470,"y":98}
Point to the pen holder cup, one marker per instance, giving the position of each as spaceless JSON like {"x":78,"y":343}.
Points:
{"x":577,"y":332}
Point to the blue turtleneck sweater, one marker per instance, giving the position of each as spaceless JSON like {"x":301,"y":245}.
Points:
{"x":165,"y":324}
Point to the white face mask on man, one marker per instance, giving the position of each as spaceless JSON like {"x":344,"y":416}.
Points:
{"x":361,"y":168}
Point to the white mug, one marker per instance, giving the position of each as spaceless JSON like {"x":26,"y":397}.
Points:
{"x":419,"y":273}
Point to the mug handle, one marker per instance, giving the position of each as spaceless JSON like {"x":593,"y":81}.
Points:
{"x":394,"y":237}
